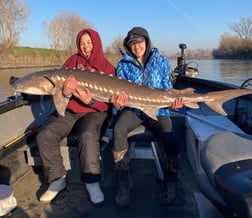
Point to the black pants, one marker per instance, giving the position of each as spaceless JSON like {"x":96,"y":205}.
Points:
{"x":87,"y":130}
{"x":163,"y":129}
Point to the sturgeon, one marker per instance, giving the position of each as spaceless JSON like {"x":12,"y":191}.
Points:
{"x":103,"y":86}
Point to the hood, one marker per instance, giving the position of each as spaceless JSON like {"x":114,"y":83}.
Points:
{"x":97,"y":57}
{"x":141,"y":32}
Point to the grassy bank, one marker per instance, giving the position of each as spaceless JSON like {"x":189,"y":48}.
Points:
{"x":26,"y":56}
{"x":34,"y":57}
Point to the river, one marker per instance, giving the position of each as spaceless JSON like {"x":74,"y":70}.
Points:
{"x":229,"y":71}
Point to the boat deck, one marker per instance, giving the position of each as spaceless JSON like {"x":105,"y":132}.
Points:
{"x":74,"y":202}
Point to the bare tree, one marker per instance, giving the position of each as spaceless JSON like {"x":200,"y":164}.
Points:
{"x":118,"y":44}
{"x":112,"y":52}
{"x":63,"y":29}
{"x":13,"y":16}
{"x":244,"y":31}
{"x":230,"y":44}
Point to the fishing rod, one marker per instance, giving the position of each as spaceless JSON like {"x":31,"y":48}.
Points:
{"x":17,"y":140}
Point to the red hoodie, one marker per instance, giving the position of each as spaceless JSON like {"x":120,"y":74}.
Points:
{"x":97,"y":61}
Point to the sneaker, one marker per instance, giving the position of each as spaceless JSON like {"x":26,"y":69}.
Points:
{"x":95,"y":193}
{"x":54,"y":188}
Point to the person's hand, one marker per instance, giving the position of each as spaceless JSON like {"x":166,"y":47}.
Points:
{"x":69,"y":86}
{"x":120,"y":100}
{"x":177,"y":104}
{"x":84,"y":95}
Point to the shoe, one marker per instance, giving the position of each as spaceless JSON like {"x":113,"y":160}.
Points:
{"x":168,"y":193}
{"x":95,"y":193}
{"x":123,"y":183}
{"x":169,"y":186}
{"x":54,"y":188}
{"x":122,"y":198}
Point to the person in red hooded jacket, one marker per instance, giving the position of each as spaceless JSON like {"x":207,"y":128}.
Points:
{"x":85,"y":114}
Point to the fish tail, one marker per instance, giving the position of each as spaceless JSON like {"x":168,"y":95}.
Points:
{"x":216,"y":99}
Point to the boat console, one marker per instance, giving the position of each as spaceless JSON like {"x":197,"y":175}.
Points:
{"x":189,"y":69}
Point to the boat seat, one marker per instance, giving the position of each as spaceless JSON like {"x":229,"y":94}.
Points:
{"x":138,"y":139}
{"x":227,"y":161}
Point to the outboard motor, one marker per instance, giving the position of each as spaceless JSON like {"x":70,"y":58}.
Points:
{"x":181,"y":63}
{"x":184,"y":68}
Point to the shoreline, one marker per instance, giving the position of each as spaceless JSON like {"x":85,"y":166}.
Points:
{"x":30,"y":66}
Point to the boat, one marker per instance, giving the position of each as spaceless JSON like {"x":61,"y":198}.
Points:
{"x":215,"y":166}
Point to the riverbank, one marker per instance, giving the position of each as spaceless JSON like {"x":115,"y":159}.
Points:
{"x":19,"y":57}
{"x":23,"y":57}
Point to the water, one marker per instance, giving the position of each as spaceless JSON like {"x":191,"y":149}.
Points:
{"x":229,"y":71}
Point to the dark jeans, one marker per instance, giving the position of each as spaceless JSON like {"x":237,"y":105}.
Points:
{"x":87,"y":130}
{"x":127,"y":121}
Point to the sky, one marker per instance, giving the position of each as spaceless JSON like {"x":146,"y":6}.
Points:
{"x":197,"y":23}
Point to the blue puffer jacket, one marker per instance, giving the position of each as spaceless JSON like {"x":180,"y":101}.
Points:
{"x":156,"y":74}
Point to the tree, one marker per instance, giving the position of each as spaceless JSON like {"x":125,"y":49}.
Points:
{"x":230,"y":44}
{"x":238,"y":45}
{"x":13,"y":16}
{"x":112,"y":52}
{"x":63,"y":29}
{"x":244,"y":31}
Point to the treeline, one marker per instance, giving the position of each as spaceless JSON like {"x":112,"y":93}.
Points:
{"x":238,"y":46}
{"x":197,"y":54}
{"x":233,"y":47}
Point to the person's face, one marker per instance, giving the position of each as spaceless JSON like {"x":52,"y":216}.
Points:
{"x":138,"y":48}
{"x":86,"y":45}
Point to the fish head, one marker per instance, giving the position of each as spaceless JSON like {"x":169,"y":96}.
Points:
{"x":35,"y":85}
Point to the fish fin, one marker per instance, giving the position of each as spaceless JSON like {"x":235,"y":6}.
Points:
{"x":183,"y":91}
{"x":187,"y":90}
{"x":151,"y":112}
{"x":192,"y":105}
{"x":60,"y":103}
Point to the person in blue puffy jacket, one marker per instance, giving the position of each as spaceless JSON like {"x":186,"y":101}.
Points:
{"x":144,"y":65}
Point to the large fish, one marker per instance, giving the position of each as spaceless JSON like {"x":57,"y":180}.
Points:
{"x":103,"y":86}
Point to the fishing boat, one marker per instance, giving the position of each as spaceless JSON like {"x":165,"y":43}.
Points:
{"x":215,"y":166}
